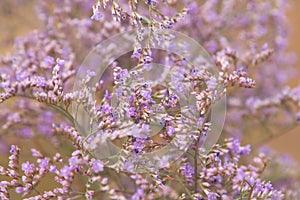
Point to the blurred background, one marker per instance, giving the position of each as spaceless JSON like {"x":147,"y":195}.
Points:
{"x":17,"y":21}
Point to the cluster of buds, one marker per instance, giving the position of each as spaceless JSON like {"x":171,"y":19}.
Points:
{"x":204,"y":101}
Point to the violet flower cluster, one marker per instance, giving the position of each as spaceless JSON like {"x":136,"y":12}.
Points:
{"x":247,"y":41}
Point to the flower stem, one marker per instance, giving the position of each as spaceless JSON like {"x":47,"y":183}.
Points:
{"x":186,"y":189}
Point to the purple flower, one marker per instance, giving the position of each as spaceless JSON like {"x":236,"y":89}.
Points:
{"x":60,"y":62}
{"x":20,"y":76}
{"x":74,"y":161}
{"x":36,"y":153}
{"x":146,"y":95}
{"x":66,"y":172}
{"x":97,"y":165}
{"x":237,"y":149}
{"x":119,"y":91}
{"x":145,"y":128}
{"x":106,"y":108}
{"x":128,"y":166}
{"x":245,"y":150}
{"x":187,"y":170}
{"x":138,"y":195}
{"x":26,"y":72}
{"x":90,"y":73}
{"x":107,"y":95}
{"x":136,"y":54}
{"x":28,"y":168}
{"x":172,"y":101}
{"x":163,"y":161}
{"x":211,"y":46}
{"x":44,"y":163}
{"x":211,"y":83}
{"x":39,"y":81}
{"x":19,"y":190}
{"x":120,"y":75}
{"x":97,"y":16}
{"x":131,"y":112}
{"x":138,"y":145}
{"x":200,"y":122}
{"x":49,"y":61}
{"x":13,"y":149}
{"x":240,"y":174}
{"x":170,"y":130}
{"x":212,"y":196}
{"x":52,"y":168}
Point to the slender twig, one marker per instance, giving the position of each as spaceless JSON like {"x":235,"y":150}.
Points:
{"x":196,"y":166}
{"x":183,"y":185}
{"x":61,"y":110}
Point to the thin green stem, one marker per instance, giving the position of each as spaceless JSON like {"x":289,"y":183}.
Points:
{"x":61,"y":110}
{"x":196,"y":167}
{"x":186,"y":189}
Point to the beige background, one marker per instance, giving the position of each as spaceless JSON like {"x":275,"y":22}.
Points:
{"x":290,"y":142}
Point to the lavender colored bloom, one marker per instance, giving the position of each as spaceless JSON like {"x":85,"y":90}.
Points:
{"x":91,"y":73}
{"x":74,"y":161}
{"x":36,"y":153}
{"x":136,"y":54}
{"x":245,"y":150}
{"x":119,"y":91}
{"x":146,"y":95}
{"x":172,"y":101}
{"x":211,"y":83}
{"x":139,"y":143}
{"x":170,"y":130}
{"x":131,"y":112}
{"x":52,"y":168}
{"x":138,"y":195}
{"x":129,"y":166}
{"x":97,"y":16}
{"x":66,"y":172}
{"x":107,"y":95}
{"x":200,"y":122}
{"x":20,"y":76}
{"x":28,"y":168}
{"x":145,"y":128}
{"x":237,"y":149}
{"x":212,"y":196}
{"x":60,"y":62}
{"x":211,"y":46}
{"x":13,"y":149}
{"x":187,"y":170}
{"x":39,"y":81}
{"x":49,"y":60}
{"x":121,"y":75}
{"x":19,"y":190}
{"x":164,"y":161}
{"x":44,"y":163}
{"x":106,"y":108}
{"x":97,"y":165}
